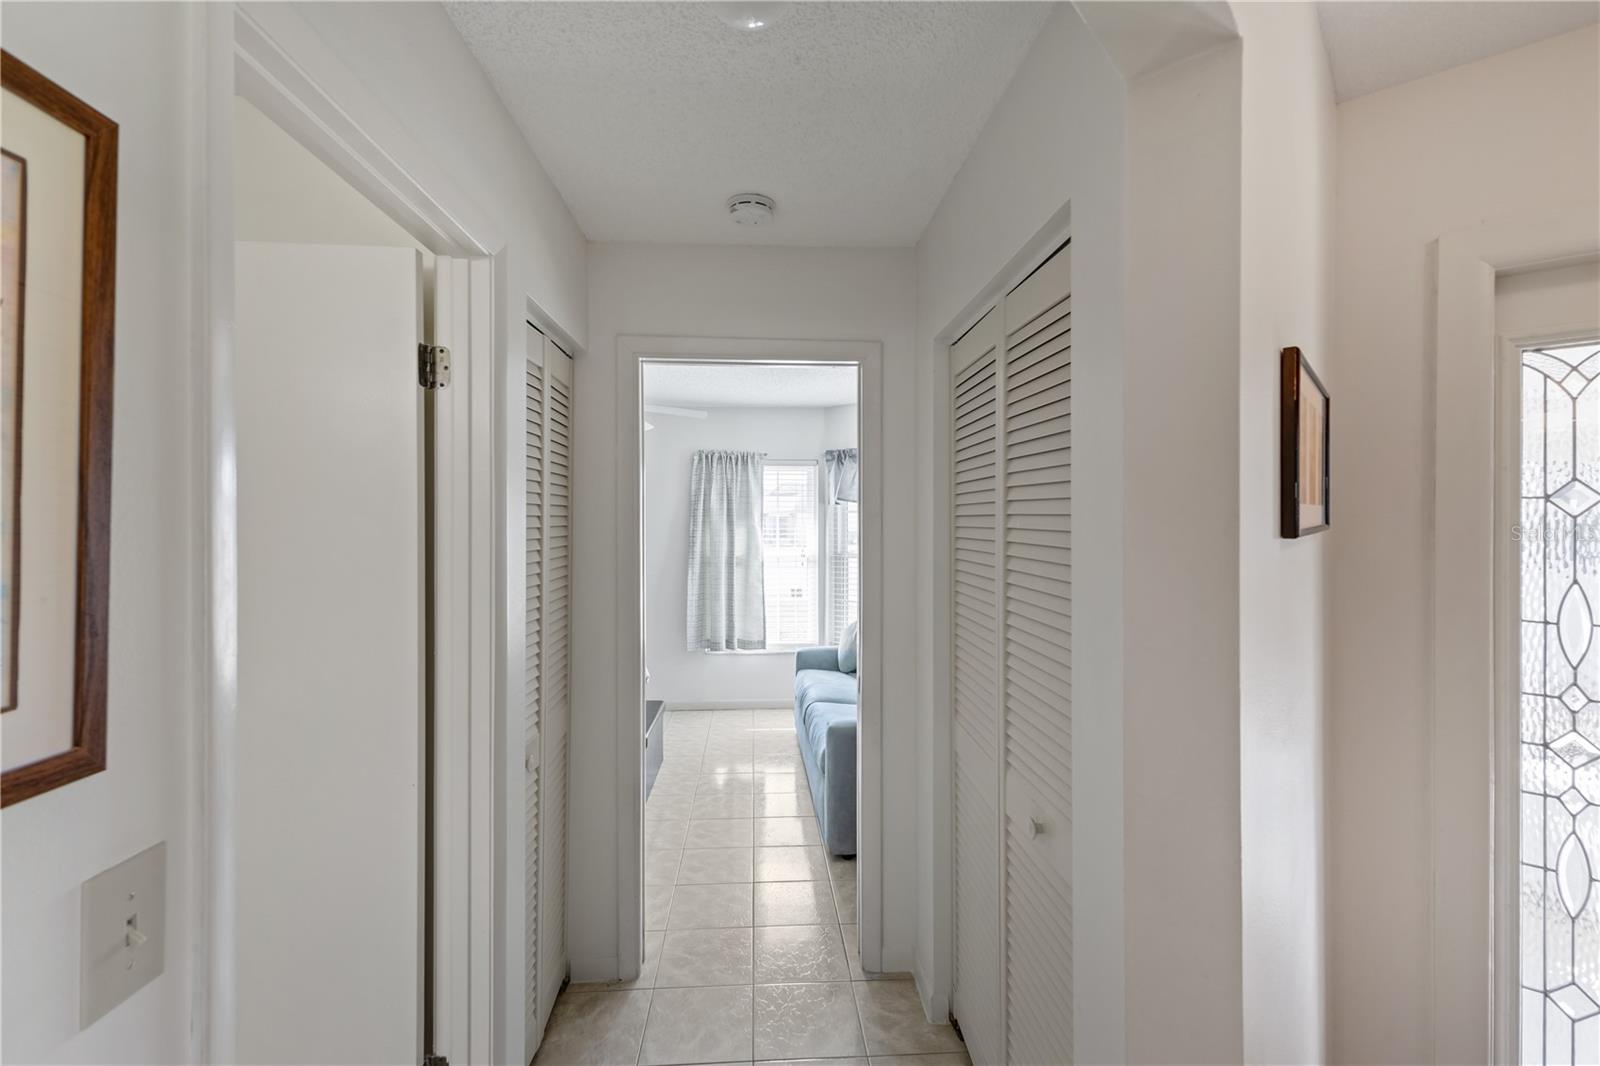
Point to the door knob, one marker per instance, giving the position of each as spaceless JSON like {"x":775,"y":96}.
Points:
{"x":1035,"y":827}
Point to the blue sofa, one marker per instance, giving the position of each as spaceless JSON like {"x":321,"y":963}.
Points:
{"x":825,"y":699}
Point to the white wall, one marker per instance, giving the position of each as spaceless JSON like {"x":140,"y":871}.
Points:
{"x":1285,"y":289}
{"x":403,"y":71}
{"x":1532,"y":303}
{"x":1512,"y":134}
{"x":720,"y":291}
{"x":282,"y":192}
{"x":132,"y":62}
{"x":1056,"y":136}
{"x":1181,"y":563}
{"x":839,"y":426}
{"x":678,"y":675}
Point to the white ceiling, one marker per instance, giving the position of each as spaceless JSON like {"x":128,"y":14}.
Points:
{"x":699,"y":386}
{"x":1374,"y":44}
{"x":853,"y":116}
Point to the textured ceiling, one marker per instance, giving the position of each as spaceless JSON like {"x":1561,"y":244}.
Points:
{"x":853,"y":116}
{"x":1373,"y":44}
{"x":698,"y":385}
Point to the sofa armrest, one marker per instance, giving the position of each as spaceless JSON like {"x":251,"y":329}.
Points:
{"x":840,"y":744}
{"x":839,"y":831}
{"x":826,"y":658}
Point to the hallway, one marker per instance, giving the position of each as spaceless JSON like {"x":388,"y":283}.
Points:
{"x":751,"y":946}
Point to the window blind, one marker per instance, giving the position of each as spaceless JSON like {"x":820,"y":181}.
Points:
{"x":789,"y":547}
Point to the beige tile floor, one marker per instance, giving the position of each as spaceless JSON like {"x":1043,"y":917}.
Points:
{"x":751,"y":949}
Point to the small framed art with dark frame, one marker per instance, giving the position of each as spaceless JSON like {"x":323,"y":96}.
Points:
{"x":1305,"y":443}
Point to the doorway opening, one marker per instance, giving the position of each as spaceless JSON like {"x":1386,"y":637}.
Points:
{"x":752,"y":576}
{"x":349,"y":566}
{"x":749,"y":514}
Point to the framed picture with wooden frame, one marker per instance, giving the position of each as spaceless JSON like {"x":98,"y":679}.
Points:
{"x":1304,"y":445}
{"x":58,"y":237}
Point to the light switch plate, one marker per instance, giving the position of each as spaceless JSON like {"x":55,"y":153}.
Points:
{"x":123,"y":941}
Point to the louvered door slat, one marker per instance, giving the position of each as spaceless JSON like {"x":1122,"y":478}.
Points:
{"x":1053,"y":328}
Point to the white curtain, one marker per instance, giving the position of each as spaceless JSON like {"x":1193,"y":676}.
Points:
{"x":844,"y":556}
{"x":844,"y":474}
{"x":727,"y":597}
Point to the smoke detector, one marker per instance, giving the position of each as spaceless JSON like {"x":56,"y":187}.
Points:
{"x":751,"y":14}
{"x":750,"y":208}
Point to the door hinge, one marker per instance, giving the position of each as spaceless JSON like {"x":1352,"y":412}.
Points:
{"x":435,"y":1060}
{"x":433,"y":370}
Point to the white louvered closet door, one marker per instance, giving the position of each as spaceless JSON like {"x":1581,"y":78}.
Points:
{"x":1036,"y":653}
{"x":547,"y":559}
{"x":975,"y":439}
{"x":533,"y":654}
{"x":533,"y":682}
{"x":555,"y":703}
{"x":1011,"y":435}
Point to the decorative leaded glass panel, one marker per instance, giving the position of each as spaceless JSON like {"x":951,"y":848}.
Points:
{"x":1559,"y":853}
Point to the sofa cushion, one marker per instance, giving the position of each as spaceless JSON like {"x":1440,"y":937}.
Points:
{"x":823,"y":686}
{"x":818,"y":719}
{"x":847,"y":649}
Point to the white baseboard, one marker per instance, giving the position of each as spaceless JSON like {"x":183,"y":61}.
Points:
{"x":935,"y":1001}
{"x":587,"y":970}
{"x":730,"y":705}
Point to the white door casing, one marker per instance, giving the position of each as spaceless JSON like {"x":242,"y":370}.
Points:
{"x":632,"y":351}
{"x":1541,"y":309}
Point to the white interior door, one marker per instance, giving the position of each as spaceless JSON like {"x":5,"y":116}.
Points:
{"x":329,"y":801}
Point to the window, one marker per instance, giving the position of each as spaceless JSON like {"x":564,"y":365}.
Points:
{"x":844,"y":566}
{"x":1560,"y":718}
{"x":789,"y":547}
